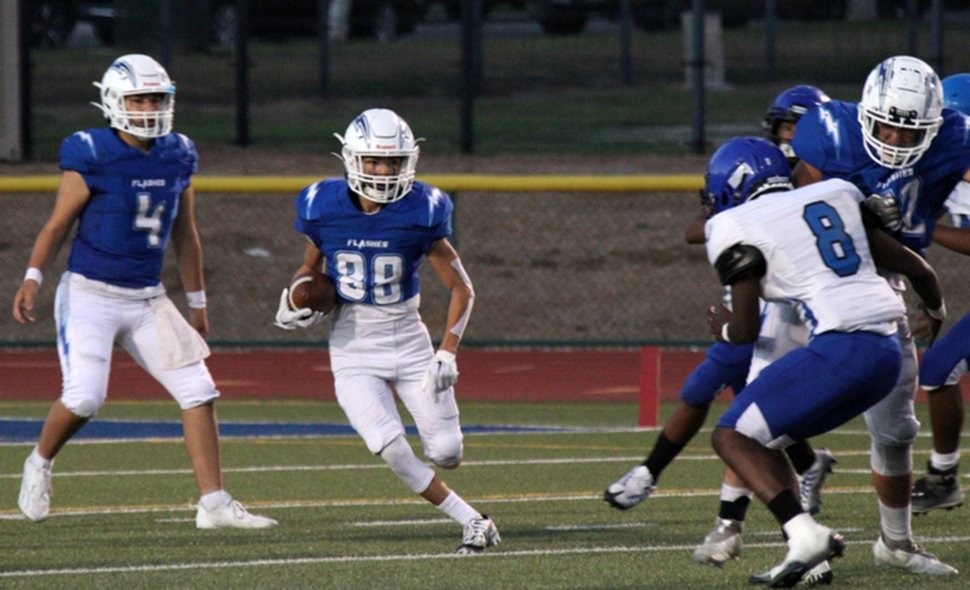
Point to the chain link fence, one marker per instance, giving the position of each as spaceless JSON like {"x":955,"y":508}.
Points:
{"x":556,"y":269}
{"x":581,"y":269}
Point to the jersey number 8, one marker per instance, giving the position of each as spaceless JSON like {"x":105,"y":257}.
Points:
{"x":834,"y":245}
{"x":385,"y":270}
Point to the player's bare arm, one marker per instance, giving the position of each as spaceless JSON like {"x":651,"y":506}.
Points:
{"x":188,"y":254}
{"x":805,"y":174}
{"x":312,"y":259}
{"x":72,"y":196}
{"x":953,"y":238}
{"x":694,"y":232}
{"x":744,"y":322}
{"x":890,"y":255}
{"x":446,"y":263}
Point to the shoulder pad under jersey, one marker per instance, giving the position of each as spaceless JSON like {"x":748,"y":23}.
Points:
{"x":739,"y":260}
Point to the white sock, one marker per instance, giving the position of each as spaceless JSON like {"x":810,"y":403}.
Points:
{"x":944,"y":462}
{"x":731,"y":493}
{"x":36,"y":459}
{"x":458,"y":509}
{"x":895,"y":523}
{"x":215,"y":500}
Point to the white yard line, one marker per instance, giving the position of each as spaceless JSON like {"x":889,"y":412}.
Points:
{"x":496,"y":554}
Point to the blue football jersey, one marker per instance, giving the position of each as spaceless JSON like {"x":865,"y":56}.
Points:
{"x":124,"y":228}
{"x":373,"y":258}
{"x":829,"y":137}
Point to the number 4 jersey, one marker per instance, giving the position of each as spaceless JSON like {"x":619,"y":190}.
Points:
{"x":373,"y":258}
{"x":817,"y":256}
{"x":124,"y":228}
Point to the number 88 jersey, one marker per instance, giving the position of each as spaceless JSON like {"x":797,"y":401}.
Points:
{"x":816,"y":255}
{"x":373,"y":258}
{"x":124,"y":228}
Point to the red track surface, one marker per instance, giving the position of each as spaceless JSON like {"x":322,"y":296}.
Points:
{"x":305,"y":374}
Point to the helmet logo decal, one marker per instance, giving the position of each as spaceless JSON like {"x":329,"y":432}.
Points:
{"x":737,"y":177}
{"x":126,"y":71}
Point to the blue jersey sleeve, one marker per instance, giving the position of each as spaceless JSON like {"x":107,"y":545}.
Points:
{"x":79,"y":152}
{"x":439,"y":210}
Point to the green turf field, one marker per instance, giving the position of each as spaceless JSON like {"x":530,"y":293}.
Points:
{"x":121,"y":516}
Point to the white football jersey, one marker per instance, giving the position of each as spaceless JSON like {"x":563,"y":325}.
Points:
{"x":817,"y":256}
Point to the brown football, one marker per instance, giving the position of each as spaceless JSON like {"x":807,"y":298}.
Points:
{"x":313,"y":290}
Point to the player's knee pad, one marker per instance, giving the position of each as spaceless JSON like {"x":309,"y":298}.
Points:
{"x":83,"y":406}
{"x":891,"y":460}
{"x":401,"y":459}
{"x":446,"y":451}
{"x":445,"y":448}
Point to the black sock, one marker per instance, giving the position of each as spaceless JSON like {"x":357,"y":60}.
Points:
{"x":947,"y":474}
{"x":735,"y":510}
{"x":664,"y":451}
{"x":785,"y":506}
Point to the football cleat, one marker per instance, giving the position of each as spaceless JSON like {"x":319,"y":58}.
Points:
{"x":936,"y":491}
{"x":912,"y":558}
{"x":478,"y":534}
{"x":820,"y":575}
{"x":631,"y":489}
{"x":720,"y":545}
{"x":231,"y":516}
{"x":36,"y":489}
{"x":804,"y":554}
{"x":810,"y":483}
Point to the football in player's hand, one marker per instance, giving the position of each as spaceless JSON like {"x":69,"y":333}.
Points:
{"x":313,"y":290}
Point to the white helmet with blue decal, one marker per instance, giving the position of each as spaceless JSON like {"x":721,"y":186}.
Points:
{"x":379,"y":133}
{"x":131,"y":75}
{"x":902,"y":92}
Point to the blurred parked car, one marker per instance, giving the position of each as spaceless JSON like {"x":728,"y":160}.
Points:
{"x":567,"y":17}
{"x":384,"y":20}
{"x":51,"y":21}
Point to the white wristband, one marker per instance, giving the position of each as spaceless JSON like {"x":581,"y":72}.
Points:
{"x":196,"y":299}
{"x":937,"y":314}
{"x":35,"y":275}
{"x":724,"y":333}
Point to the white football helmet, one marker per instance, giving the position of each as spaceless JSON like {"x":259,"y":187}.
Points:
{"x":904,"y":92}
{"x":379,"y":133}
{"x":137,"y":74}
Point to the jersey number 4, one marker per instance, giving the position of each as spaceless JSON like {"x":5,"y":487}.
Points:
{"x":381,"y":277}
{"x":834,"y":245}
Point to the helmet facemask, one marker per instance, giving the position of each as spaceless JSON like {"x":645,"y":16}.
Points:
{"x":379,"y":133}
{"x":133,"y":75}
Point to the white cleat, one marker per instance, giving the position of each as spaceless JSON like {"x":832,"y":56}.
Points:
{"x":631,"y":489}
{"x":36,"y":489}
{"x":810,"y":483}
{"x":815,"y":544}
{"x":820,"y":575}
{"x":478,"y":534}
{"x":231,"y":516}
{"x":912,"y":558}
{"x":720,"y":545}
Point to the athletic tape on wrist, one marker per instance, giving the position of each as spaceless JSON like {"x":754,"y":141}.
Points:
{"x":34,"y":274}
{"x":196,"y":299}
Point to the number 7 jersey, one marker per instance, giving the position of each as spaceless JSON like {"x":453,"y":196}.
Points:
{"x":817,"y":256}
{"x":373,"y":258}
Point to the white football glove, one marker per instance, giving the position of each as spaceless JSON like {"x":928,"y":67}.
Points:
{"x":441,"y":375}
{"x":288,"y":319}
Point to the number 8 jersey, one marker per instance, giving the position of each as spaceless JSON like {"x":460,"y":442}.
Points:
{"x":817,"y":256}
{"x":124,"y":228}
{"x":373,"y":258}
